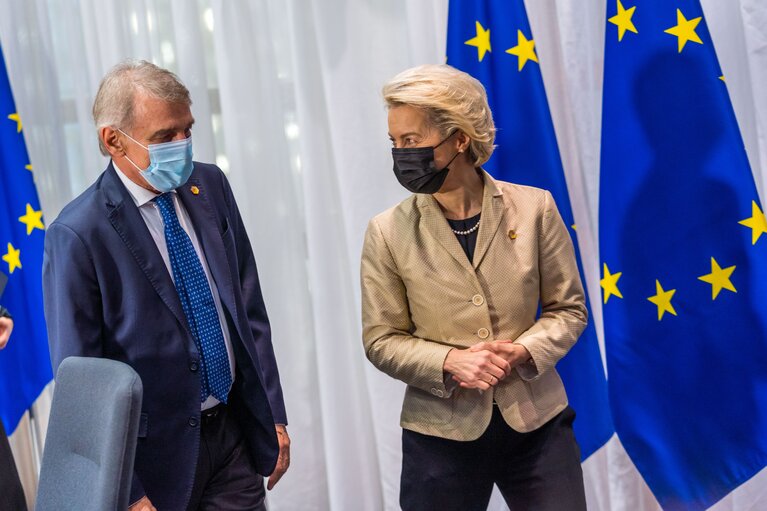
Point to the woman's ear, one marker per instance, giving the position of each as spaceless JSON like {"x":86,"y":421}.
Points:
{"x":463,"y":142}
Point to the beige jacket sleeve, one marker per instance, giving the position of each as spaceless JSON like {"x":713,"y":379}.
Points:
{"x":563,"y":310}
{"x":386,"y":325}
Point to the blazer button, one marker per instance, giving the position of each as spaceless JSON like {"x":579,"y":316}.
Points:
{"x":437,"y":392}
{"x":482,"y":333}
{"x":477,"y":300}
{"x":193,"y":421}
{"x":193,"y":366}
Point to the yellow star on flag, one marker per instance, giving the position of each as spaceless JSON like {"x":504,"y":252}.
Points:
{"x":524,"y":50}
{"x":610,"y":283}
{"x":685,"y":30}
{"x":28,"y":167}
{"x":719,"y":279}
{"x":15,"y":117}
{"x":757,"y":223}
{"x":32,"y":219}
{"x":623,"y":20}
{"x":13,"y":258}
{"x":662,"y":300}
{"x":481,"y":41}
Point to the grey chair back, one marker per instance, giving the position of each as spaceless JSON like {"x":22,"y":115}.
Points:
{"x":91,"y":441}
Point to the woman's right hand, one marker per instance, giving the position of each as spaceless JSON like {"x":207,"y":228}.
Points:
{"x":476,"y":369}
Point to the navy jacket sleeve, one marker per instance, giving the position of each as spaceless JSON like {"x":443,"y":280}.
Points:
{"x":71,"y":296}
{"x":256,"y":309}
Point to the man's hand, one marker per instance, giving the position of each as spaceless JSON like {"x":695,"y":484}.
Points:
{"x":6,"y":327}
{"x":142,"y":505}
{"x":513,"y":353}
{"x":283,"y":459}
{"x":476,"y":369}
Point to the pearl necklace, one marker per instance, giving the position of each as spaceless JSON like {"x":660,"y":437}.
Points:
{"x":469,"y":231}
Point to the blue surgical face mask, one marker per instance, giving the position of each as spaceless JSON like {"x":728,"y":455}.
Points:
{"x":170,"y":163}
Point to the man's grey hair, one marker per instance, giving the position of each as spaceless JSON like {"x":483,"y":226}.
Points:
{"x":115,"y":100}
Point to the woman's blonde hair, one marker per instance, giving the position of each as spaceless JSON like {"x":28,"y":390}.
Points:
{"x":452,"y":100}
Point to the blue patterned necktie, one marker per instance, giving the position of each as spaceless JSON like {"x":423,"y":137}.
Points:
{"x":197,"y":302}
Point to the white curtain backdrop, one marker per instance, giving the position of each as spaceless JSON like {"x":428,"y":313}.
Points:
{"x":287,"y":101}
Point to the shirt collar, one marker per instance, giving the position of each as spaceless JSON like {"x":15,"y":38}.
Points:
{"x":140,"y":196}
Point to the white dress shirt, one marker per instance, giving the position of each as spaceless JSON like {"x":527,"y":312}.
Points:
{"x":151,"y":215}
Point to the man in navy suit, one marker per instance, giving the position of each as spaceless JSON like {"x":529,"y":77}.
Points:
{"x":152,"y":266}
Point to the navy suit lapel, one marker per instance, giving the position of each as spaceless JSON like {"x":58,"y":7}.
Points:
{"x":197,"y":201}
{"x":130,"y":226}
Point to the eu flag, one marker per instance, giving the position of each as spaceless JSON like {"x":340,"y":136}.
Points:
{"x":25,"y":366}
{"x":492,"y":41}
{"x":684,"y":259}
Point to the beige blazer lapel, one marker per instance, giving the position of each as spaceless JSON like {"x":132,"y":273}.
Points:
{"x":493,"y":211}
{"x":435,"y":223}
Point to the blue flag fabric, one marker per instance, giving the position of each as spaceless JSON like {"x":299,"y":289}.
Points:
{"x":492,"y":41}
{"x":684,"y":259}
{"x":25,"y":366}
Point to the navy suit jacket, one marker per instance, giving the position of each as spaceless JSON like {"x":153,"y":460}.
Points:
{"x":109,"y":294}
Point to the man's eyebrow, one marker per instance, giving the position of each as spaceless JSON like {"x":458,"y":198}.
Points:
{"x":167,"y":131}
{"x":161,"y":133}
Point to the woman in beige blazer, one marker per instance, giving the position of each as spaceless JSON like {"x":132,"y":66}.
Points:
{"x":470,"y":295}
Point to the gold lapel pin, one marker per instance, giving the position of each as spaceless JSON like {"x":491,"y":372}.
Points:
{"x":512,"y":234}
{"x":195,"y":190}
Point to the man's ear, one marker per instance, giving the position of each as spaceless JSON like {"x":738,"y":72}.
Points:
{"x":110,"y":139}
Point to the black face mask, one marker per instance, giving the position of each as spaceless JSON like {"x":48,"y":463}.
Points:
{"x":414,"y":168}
